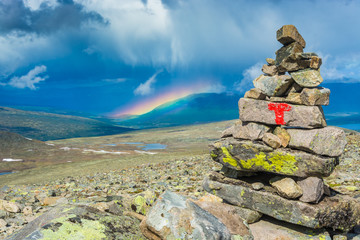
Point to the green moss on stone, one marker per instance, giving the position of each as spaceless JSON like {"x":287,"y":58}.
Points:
{"x":228,"y":158}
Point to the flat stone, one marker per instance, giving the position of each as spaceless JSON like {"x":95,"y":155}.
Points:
{"x":315,"y":96}
{"x":273,"y":85}
{"x":337,"y":212}
{"x":250,"y":131}
{"x":244,"y":155}
{"x":257,"y":186}
{"x":307,"y":77}
{"x":270,"y":61}
{"x":269,"y":69}
{"x":306,"y":56}
{"x":288,"y":34}
{"x":292,"y":97}
{"x":251,"y":110}
{"x":283,"y":135}
{"x":9,"y":206}
{"x":286,"y":187}
{"x":286,"y":57}
{"x":272,"y":140}
{"x":175,"y":217}
{"x":312,"y":188}
{"x":255,"y":93}
{"x":328,"y":141}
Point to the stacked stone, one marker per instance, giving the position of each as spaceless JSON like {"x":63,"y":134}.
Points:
{"x":274,"y":159}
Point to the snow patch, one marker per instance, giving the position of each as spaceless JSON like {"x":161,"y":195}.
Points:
{"x":50,"y":144}
{"x":145,"y":152}
{"x":103,"y":151}
{"x":12,"y":160}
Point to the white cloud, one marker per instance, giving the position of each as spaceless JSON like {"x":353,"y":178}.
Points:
{"x":146,"y":88}
{"x":216,"y":88}
{"x":36,"y":4}
{"x":30,"y":79}
{"x":249,"y":75}
{"x":114,"y":80}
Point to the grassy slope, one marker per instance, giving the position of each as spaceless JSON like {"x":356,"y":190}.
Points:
{"x":46,"y":126}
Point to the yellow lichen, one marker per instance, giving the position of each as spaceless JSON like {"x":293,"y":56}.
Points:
{"x":228,"y":158}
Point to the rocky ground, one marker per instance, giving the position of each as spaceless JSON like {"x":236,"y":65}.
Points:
{"x":129,"y":193}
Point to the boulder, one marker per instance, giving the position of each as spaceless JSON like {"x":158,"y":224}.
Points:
{"x":248,"y":156}
{"x":270,"y":61}
{"x":272,"y":140}
{"x":288,"y":34}
{"x":286,"y":57}
{"x":315,"y":96}
{"x":250,"y":131}
{"x":273,"y":85}
{"x":337,"y":212}
{"x":328,"y":141}
{"x":312,"y":188}
{"x":9,"y":206}
{"x":307,"y":77}
{"x":255,"y":93}
{"x":286,"y":187}
{"x":269,"y":69}
{"x":283,"y":135}
{"x":251,"y":110}
{"x":78,"y":222}
{"x":175,"y":217}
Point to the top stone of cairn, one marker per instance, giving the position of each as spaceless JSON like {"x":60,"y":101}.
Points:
{"x":288,"y":34}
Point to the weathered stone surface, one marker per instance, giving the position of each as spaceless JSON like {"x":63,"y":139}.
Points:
{"x":270,"y":61}
{"x":269,"y":69}
{"x":315,"y":62}
{"x":232,"y":216}
{"x":286,"y":187}
{"x":271,"y":229}
{"x":257,"y":186}
{"x":250,"y":131}
{"x":328,"y":141}
{"x":9,"y":206}
{"x":252,"y":110}
{"x":306,"y":56}
{"x":288,"y":34}
{"x":233,"y":173}
{"x":295,"y":88}
{"x":27,"y":210}
{"x":307,"y":77}
{"x":338,"y":212}
{"x":255,"y":93}
{"x":293,"y":98}
{"x":312,"y":188}
{"x":272,"y":140}
{"x":315,"y":96}
{"x":245,"y":155}
{"x":283,"y":135}
{"x":228,"y":132}
{"x":286,"y":57}
{"x":77,"y":222}
{"x":3,"y":223}
{"x":273,"y":85}
{"x":175,"y":217}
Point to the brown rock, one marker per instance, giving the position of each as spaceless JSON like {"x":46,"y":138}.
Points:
{"x":283,"y":135}
{"x":273,"y":85}
{"x":250,"y":131}
{"x":251,"y":110}
{"x":328,"y":141}
{"x":292,"y":97}
{"x":101,"y":206}
{"x":9,"y":206}
{"x":255,"y":93}
{"x":51,"y":201}
{"x":286,"y":187}
{"x":288,"y":34}
{"x":312,"y":188}
{"x":146,"y":232}
{"x":269,"y":69}
{"x":315,"y":96}
{"x":315,"y":62}
{"x":27,"y":210}
{"x":272,"y":140}
{"x":286,"y":57}
{"x":270,"y":61}
{"x":307,"y":77}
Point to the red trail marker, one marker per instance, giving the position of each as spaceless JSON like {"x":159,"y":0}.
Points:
{"x":279,"y":109}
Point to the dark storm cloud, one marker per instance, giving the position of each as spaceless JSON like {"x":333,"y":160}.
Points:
{"x":15,"y":16}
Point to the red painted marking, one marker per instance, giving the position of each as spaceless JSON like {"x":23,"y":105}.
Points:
{"x":279,"y":109}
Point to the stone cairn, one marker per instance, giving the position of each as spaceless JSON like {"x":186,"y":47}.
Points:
{"x":275,"y":157}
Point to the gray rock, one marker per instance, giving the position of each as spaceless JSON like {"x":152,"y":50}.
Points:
{"x":252,"y":110}
{"x":286,"y":57}
{"x":307,"y":77}
{"x":315,"y":96}
{"x":328,"y":141}
{"x":272,"y":140}
{"x":286,"y":187}
{"x":257,"y":186}
{"x":248,"y":156}
{"x":250,"y":131}
{"x":273,"y":85}
{"x":292,"y":97}
{"x":255,"y":93}
{"x":288,"y":34}
{"x":270,"y":70}
{"x":332,"y":212}
{"x":312,"y":188}
{"x":175,"y":217}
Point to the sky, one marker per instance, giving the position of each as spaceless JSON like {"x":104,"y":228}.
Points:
{"x":118,"y":57}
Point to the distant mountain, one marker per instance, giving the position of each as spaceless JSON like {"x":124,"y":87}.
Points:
{"x":193,"y":109}
{"x":50,"y":126}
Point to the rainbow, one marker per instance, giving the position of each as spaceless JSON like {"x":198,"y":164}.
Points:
{"x":146,"y":105}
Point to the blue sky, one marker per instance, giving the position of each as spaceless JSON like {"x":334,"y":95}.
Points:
{"x":101,"y":56}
